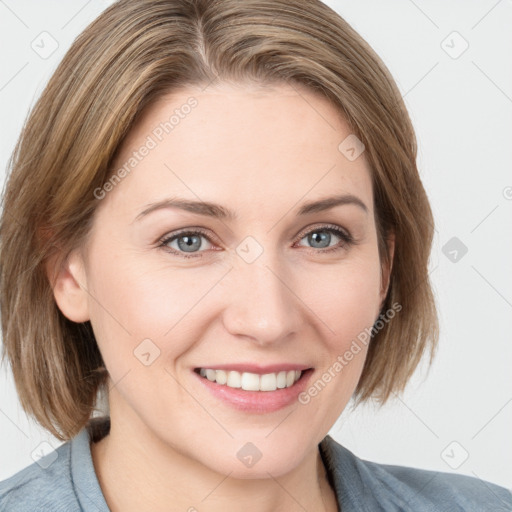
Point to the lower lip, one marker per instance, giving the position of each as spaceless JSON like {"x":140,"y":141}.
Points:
{"x":257,"y":401}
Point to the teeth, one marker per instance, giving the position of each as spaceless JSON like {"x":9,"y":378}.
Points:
{"x":221,"y":377}
{"x":281,"y":380}
{"x":268,"y":382}
{"x":252,"y":381}
{"x":234,"y":380}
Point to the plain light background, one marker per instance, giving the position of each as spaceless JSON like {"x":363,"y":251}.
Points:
{"x":451,"y":60}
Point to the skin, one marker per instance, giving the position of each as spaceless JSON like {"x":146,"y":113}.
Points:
{"x":262,"y":153}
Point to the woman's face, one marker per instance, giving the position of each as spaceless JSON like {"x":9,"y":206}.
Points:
{"x":251,"y":284}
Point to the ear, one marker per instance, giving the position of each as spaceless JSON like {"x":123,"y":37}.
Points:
{"x":386,"y":269}
{"x":68,"y":281}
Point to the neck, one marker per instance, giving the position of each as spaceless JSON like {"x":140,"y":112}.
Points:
{"x":137,"y":471}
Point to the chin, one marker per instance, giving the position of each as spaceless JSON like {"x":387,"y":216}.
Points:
{"x":246,"y":459}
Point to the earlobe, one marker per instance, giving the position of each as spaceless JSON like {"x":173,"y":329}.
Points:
{"x":68,"y":281}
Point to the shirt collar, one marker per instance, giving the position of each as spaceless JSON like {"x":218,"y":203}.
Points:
{"x":338,"y":462}
{"x":83,"y":476}
{"x":345,"y":478}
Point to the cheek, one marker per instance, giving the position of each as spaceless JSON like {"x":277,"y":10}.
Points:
{"x":135,"y":297}
{"x":345,"y":296}
{"x":346,"y":300}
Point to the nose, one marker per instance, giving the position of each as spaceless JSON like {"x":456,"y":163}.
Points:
{"x":260,"y":301}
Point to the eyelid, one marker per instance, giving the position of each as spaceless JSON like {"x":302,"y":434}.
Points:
{"x":193,"y":230}
{"x":319,"y":226}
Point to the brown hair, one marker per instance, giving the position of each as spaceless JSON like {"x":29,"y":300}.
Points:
{"x":132,"y":54}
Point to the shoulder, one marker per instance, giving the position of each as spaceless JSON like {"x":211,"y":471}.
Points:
{"x":44,"y":485}
{"x":390,"y":487}
{"x":442,"y":489}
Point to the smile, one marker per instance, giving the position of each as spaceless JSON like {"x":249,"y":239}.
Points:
{"x":251,"y":381}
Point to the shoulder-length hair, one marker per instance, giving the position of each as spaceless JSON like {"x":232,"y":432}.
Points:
{"x":132,"y":54}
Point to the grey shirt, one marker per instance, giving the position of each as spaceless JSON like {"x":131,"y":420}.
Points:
{"x":69,"y":483}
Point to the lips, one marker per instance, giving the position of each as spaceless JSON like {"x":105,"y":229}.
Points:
{"x":255,"y":392}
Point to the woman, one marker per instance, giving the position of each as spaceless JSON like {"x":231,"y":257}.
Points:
{"x":214,"y":218}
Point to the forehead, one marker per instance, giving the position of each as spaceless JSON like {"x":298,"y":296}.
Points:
{"x":235,"y":143}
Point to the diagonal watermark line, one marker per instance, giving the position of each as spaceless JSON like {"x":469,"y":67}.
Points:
{"x":217,"y":486}
{"x":13,"y":13}
{"x":76,"y":14}
{"x":418,"y":493}
{"x":298,"y":200}
{"x":214,"y":79}
{"x":200,"y":404}
{"x":421,"y":79}
{"x":194,"y":305}
{"x":333,"y":332}
{"x":285,"y":490}
{"x":501,"y":409}
{"x":504,"y":298}
{"x":15,"y":219}
{"x":105,"y":309}
{"x":426,"y":426}
{"x":281,"y":422}
{"x":298,"y":92}
{"x":17,"y":426}
{"x":14,"y":76}
{"x":484,"y":218}
{"x":486,"y":14}
{"x":489,"y":488}
{"x":119,"y":380}
{"x":492,"y":81}
{"x":424,"y":14}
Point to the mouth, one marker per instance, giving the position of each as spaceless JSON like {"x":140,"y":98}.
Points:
{"x":255,"y":389}
{"x":252,"y":381}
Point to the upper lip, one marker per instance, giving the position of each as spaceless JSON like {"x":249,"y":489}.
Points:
{"x":256,"y":368}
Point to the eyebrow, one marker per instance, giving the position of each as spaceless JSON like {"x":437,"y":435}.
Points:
{"x":214,"y":210}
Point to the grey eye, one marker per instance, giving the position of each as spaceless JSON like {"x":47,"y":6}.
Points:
{"x":189,"y":242}
{"x":318,"y":239}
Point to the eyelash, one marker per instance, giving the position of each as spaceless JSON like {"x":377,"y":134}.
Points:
{"x":346,"y":240}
